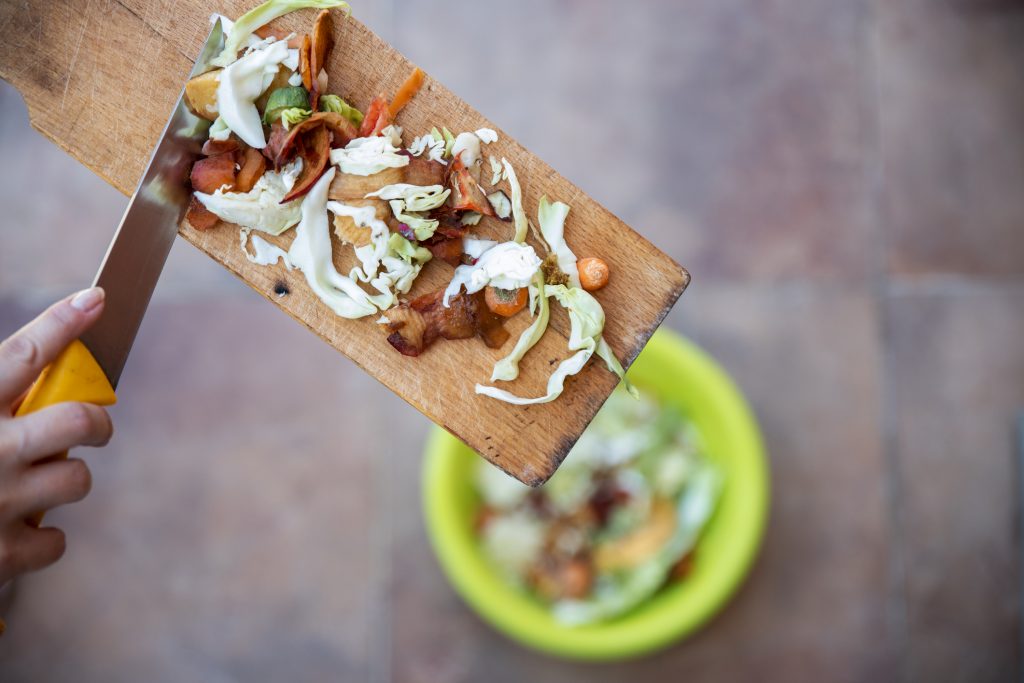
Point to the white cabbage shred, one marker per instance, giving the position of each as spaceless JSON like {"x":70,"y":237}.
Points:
{"x":367,"y":156}
{"x":434,"y":147}
{"x":239,"y":34}
{"x":241,"y":83}
{"x":506,"y":266}
{"x":312,"y":254}
{"x":585,"y":316}
{"x":518,"y":215}
{"x":260,"y":208}
{"x":390,"y":263}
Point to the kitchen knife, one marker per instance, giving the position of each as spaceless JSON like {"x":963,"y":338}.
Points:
{"x":88,"y":369}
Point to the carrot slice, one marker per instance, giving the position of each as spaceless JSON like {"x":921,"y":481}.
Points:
{"x":505,"y":302}
{"x":408,"y":90}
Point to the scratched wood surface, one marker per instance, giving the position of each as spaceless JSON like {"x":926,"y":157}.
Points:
{"x":100,"y":77}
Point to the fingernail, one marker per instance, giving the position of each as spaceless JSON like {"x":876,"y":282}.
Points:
{"x":88,"y":299}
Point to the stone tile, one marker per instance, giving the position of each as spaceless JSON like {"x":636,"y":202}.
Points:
{"x":809,"y":361}
{"x":735,"y":135}
{"x":951,"y":98}
{"x":230,"y":533}
{"x":955,"y":381}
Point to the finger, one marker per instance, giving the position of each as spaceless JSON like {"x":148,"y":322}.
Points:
{"x":27,"y":549}
{"x":44,"y":487}
{"x":24,"y":355}
{"x":53,"y":430}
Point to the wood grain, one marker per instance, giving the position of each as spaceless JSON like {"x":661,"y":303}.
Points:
{"x":100,"y":77}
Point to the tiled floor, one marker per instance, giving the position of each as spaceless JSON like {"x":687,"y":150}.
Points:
{"x":842,"y":178}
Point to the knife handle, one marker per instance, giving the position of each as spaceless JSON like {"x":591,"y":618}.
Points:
{"x":73,"y":376}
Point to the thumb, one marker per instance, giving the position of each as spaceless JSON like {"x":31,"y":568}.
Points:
{"x":24,"y":355}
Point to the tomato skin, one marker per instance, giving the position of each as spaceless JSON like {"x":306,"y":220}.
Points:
{"x":377,"y":118}
{"x":505,"y":302}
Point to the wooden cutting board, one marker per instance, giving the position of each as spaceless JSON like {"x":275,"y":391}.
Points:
{"x":100,"y":77}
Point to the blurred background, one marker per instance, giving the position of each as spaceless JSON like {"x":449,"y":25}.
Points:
{"x":844,"y":180}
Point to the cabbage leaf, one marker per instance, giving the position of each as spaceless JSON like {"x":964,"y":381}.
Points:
{"x":367,"y":156}
{"x":624,"y":591}
{"x":240,"y":85}
{"x":586,"y":318}
{"x":552,"y":229}
{"x":507,"y":369}
{"x":518,"y":215}
{"x":335,"y":104}
{"x":311,"y":253}
{"x":262,"y":15}
{"x":258,"y":209}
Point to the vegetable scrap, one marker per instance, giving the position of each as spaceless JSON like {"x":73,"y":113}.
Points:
{"x":621,"y":519}
{"x":288,"y":156}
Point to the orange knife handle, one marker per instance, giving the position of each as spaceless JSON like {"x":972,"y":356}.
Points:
{"x":73,"y":376}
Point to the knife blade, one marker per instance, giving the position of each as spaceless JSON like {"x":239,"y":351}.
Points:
{"x":90,"y":367}
{"x":136,"y":255}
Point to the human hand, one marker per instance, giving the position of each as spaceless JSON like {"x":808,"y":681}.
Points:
{"x":30,"y":481}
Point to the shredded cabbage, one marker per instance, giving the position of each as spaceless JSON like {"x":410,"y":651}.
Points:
{"x":290,"y":173}
{"x":312,"y":254}
{"x":394,"y":134}
{"x":518,"y":215}
{"x":265,"y":253}
{"x":337,"y":105}
{"x":468,"y":146}
{"x":241,"y":83}
{"x":507,"y":369}
{"x":495,"y":170}
{"x":407,"y":251}
{"x":631,"y":587}
{"x":552,"y":228}
{"x":514,"y":542}
{"x":258,"y":209}
{"x":449,"y":141}
{"x":586,"y":318}
{"x":487,"y":135}
{"x":435,"y":145}
{"x":605,"y":353}
{"x":390,"y":263}
{"x":292,"y":61}
{"x":366,"y":156}
{"x":475,"y":248}
{"x":261,"y":15}
{"x":422,"y":227}
{"x":507,"y":266}
{"x":414,"y":197}
{"x":289,"y":117}
{"x":219,"y":130}
{"x":369,"y":255}
{"x":407,"y":203}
